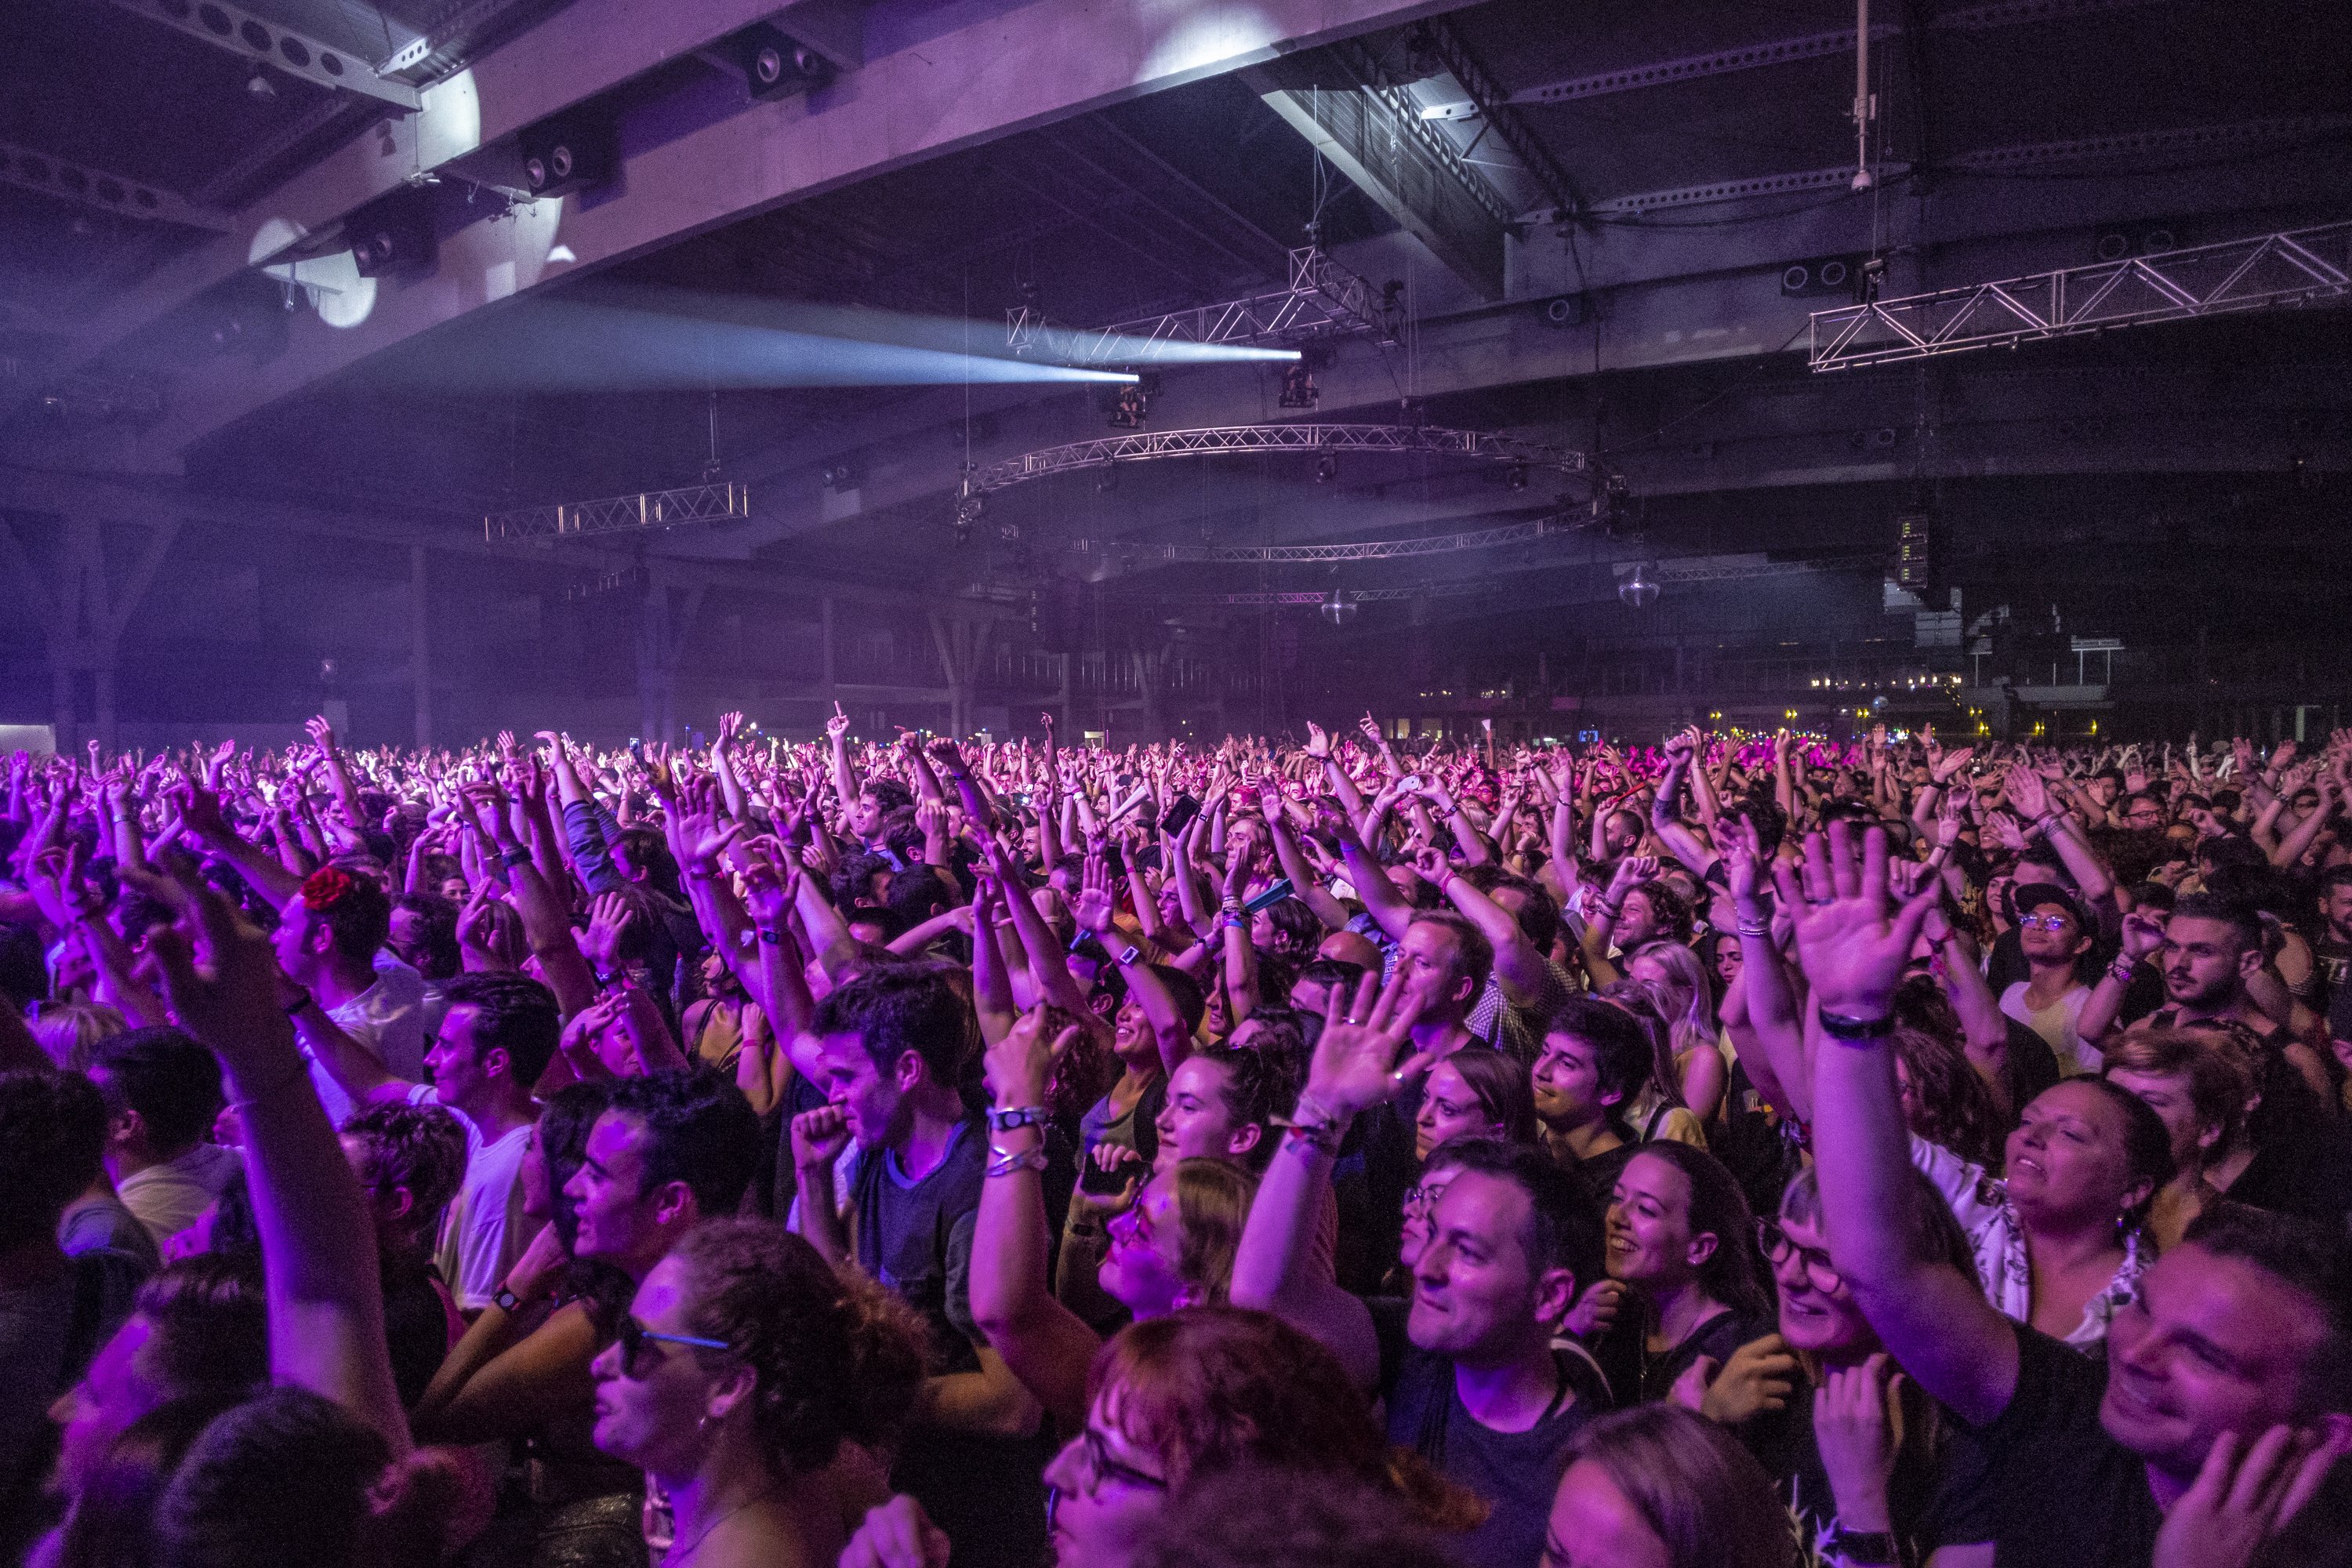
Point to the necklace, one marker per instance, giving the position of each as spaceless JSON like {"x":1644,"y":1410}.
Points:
{"x":678,"y":1554}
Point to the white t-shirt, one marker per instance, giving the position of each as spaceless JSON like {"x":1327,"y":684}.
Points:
{"x":484,"y":1230}
{"x":170,"y":1198}
{"x":387,"y":1020}
{"x":2059,"y":1024}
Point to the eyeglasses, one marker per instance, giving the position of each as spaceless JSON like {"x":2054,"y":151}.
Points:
{"x":1419,"y":1200}
{"x":634,"y":1336}
{"x":2044,"y":923}
{"x":1777,"y":1248}
{"x":1133,"y":1226}
{"x":1097,"y":1464}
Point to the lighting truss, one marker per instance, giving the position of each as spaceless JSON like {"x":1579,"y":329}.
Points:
{"x":1324,"y":300}
{"x":2293,"y":269}
{"x":1699,"y":569}
{"x":1362,"y":550}
{"x":1143,"y":445}
{"x":653,"y":510}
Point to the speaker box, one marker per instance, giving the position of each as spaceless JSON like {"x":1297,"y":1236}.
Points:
{"x":775,"y":64}
{"x":394,"y":234}
{"x":570,"y":153}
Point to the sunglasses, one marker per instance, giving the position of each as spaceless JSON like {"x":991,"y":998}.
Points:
{"x":634,"y":1336}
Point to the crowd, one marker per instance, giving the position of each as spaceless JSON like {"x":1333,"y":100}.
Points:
{"x":1713,"y":1154}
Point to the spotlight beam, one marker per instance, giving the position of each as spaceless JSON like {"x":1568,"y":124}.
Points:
{"x":662,"y":340}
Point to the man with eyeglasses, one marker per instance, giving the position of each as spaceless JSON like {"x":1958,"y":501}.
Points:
{"x":1469,"y":1373}
{"x":2049,"y":1001}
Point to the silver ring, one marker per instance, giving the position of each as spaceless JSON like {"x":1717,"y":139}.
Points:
{"x":1397,"y":1077}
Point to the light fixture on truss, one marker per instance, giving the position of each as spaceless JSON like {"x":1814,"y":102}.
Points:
{"x":1338,"y":609}
{"x":1298,"y":389}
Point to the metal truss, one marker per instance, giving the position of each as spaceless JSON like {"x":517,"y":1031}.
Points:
{"x":1143,"y":445}
{"x":1363,"y":550}
{"x":1407,"y":122}
{"x":1324,"y":300}
{"x":61,"y":178}
{"x":2293,"y":269}
{"x":620,"y":514}
{"x":1699,"y":569}
{"x":1775,"y":51}
{"x":258,"y":39}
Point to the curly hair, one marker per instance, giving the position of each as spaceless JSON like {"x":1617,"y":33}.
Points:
{"x":1209,"y":1390}
{"x":1948,"y":1103}
{"x":833,"y":1357}
{"x":419,"y":1147}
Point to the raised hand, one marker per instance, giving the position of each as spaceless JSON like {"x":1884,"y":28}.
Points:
{"x":1852,"y":940}
{"x":1942,"y":768}
{"x":217,"y":968}
{"x":1355,"y":1064}
{"x":608,"y":917}
{"x":1095,"y":905}
{"x":2242,"y":1497}
{"x":2027,"y":790}
{"x":1858,"y":1426}
{"x":1318,"y":743}
{"x":1019,"y":1067}
{"x":321,"y":733}
{"x":838,"y":725}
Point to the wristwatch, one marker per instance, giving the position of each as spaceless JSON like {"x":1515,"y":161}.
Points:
{"x":1130,"y":955}
{"x":1861,"y":1548}
{"x":1012,"y":1116}
{"x":1838,"y":1027}
{"x":504,"y":1300}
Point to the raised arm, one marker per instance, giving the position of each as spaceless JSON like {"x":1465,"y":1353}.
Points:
{"x":200,"y":812}
{"x":1303,"y":880}
{"x":325,"y":1295}
{"x":1519,"y":969}
{"x":1356,"y":1066}
{"x":1853,"y":940}
{"x":1047,"y":1346}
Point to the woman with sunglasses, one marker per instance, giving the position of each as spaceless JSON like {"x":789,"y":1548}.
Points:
{"x":743,"y":1371}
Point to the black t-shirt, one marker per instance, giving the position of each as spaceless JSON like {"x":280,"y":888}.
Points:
{"x":2050,"y":1486}
{"x":2028,"y":1066}
{"x":1516,"y":1472}
{"x":1794,"y":1460}
{"x":915,"y":1237}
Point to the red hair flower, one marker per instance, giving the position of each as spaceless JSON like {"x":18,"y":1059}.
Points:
{"x":326,"y":888}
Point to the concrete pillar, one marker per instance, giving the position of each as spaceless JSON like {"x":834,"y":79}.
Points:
{"x":420,"y":645}
{"x":84,"y":615}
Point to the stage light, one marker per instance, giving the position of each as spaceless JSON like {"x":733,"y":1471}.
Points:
{"x":1130,"y":408}
{"x":1326,"y":468}
{"x":1338,"y":609}
{"x":1637,"y":592}
{"x":1515,"y":476}
{"x":1298,"y":389}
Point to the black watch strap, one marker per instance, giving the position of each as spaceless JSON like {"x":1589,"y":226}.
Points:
{"x":505,"y":1300}
{"x":1839,"y":1027}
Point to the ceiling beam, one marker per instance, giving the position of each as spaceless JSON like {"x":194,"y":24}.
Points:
{"x":1372,"y":130}
{"x":280,"y":48}
{"x":934,"y":83}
